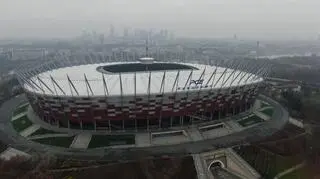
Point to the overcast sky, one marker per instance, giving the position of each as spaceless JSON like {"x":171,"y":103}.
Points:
{"x":196,"y":18}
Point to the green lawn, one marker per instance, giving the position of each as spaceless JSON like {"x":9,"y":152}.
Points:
{"x":42,"y":131}
{"x":20,"y":110}
{"x":56,"y":141}
{"x":21,"y":123}
{"x":250,"y":121}
{"x":268,"y":111}
{"x":109,"y":140}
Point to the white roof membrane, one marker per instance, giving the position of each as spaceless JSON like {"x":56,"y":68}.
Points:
{"x":95,"y":80}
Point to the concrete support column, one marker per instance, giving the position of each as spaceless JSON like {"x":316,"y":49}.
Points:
{"x":81,"y":125}
{"x":68,"y":124}
{"x":147,"y":124}
{"x":123,"y":126}
{"x":171,"y":122}
{"x":95,"y":125}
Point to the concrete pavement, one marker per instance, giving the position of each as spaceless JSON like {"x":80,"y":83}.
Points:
{"x":255,"y":133}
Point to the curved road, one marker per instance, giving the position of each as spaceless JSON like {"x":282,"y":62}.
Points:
{"x":7,"y":134}
{"x":252,"y":134}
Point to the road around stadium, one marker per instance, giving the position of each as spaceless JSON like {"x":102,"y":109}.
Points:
{"x":251,"y":134}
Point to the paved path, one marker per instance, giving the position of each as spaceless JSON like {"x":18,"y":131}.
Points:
{"x":257,"y":105}
{"x":19,"y":116}
{"x":201,"y":168}
{"x":8,"y":135}
{"x":262,"y":116}
{"x":215,"y":133}
{"x":11,"y":152}
{"x":220,"y":173}
{"x":296,"y":122}
{"x":28,"y":131}
{"x":168,"y":140}
{"x":289,"y":170}
{"x":234,"y":126}
{"x":47,"y":136}
{"x":242,"y":163}
{"x":143,"y":139}
{"x":194,"y":134}
{"x":81,"y":141}
{"x":267,"y":107}
{"x":23,"y":105}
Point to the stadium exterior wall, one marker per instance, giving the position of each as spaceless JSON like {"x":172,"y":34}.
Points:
{"x":152,"y":111}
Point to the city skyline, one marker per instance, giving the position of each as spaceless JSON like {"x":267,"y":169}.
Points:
{"x":249,"y":19}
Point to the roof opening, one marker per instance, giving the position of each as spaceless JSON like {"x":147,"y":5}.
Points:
{"x":140,"y":67}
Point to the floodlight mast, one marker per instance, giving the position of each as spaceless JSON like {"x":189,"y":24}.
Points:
{"x":257,"y":50}
{"x":147,"y":48}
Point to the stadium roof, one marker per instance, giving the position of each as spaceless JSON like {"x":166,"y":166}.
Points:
{"x":88,"y":81}
{"x":140,"y":67}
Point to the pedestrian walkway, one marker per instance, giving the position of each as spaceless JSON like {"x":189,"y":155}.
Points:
{"x":19,"y":116}
{"x":23,"y":105}
{"x":142,"y":139}
{"x":12,"y":152}
{"x":215,"y":133}
{"x":47,"y":136}
{"x":28,"y":131}
{"x":267,"y":107}
{"x":290,"y":170}
{"x":233,"y":125}
{"x":262,"y":116}
{"x":201,"y":169}
{"x":296,"y":122}
{"x":194,"y":134}
{"x":257,"y":105}
{"x":81,"y":141}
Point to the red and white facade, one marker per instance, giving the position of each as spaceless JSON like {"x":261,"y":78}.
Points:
{"x":79,"y":96}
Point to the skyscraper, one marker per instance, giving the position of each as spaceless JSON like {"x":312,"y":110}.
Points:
{"x":111,"y":33}
{"x":125,"y":32}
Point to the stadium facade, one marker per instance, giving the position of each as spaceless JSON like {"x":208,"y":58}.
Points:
{"x":138,"y":95}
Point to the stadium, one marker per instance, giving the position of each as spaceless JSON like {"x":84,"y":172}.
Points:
{"x":138,"y":95}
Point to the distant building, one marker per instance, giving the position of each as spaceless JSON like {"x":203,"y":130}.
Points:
{"x":235,"y":37}
{"x":111,"y":32}
{"x":28,"y":53}
{"x":101,"y":39}
{"x":125,"y":32}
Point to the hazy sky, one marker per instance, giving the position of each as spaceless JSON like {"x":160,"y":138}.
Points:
{"x":196,"y":18}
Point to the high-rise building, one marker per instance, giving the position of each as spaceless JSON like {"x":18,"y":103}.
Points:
{"x":101,"y":39}
{"x":111,"y":33}
{"x":125,"y":32}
